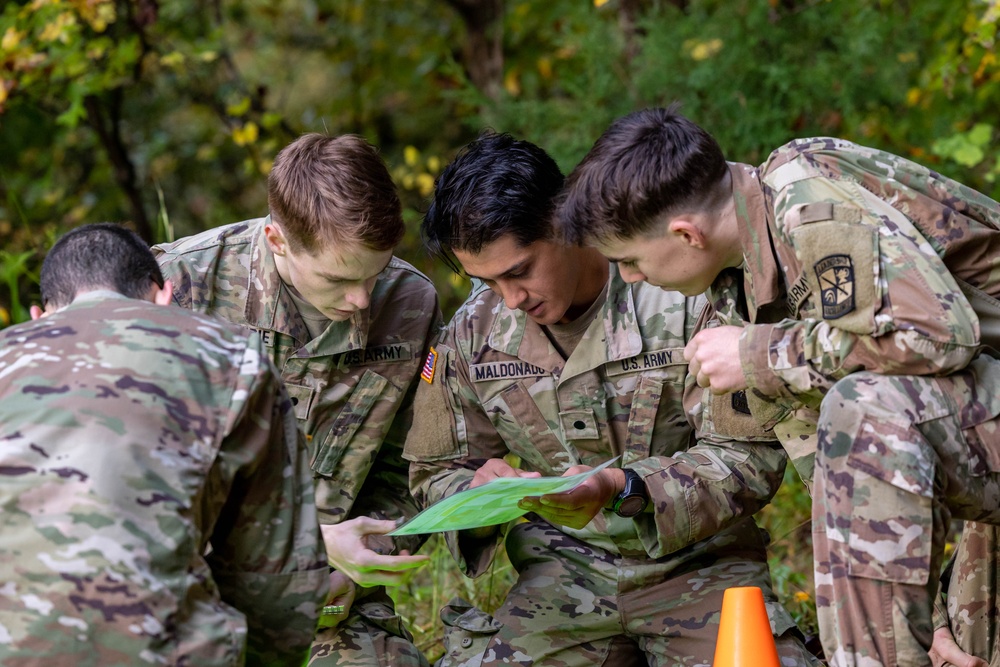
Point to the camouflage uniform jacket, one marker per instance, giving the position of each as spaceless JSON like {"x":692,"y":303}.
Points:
{"x":854,"y":259}
{"x":499,"y":386}
{"x":352,"y":387}
{"x":157,"y":501}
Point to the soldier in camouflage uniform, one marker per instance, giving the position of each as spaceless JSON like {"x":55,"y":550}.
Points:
{"x":854,"y":284}
{"x":156,"y":497}
{"x":348,"y":326}
{"x":557,"y":361}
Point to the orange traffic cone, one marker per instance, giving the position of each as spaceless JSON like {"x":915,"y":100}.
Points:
{"x":745,"y":638}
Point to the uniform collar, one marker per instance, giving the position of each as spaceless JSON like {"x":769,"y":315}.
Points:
{"x":269,"y":306}
{"x":612,"y":336}
{"x":762,"y":280}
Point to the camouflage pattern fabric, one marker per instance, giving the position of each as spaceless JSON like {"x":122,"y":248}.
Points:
{"x":973,"y":592}
{"x":373,"y":634}
{"x":352,"y":386}
{"x":497,"y":386}
{"x":157,"y":502}
{"x":878,"y":264}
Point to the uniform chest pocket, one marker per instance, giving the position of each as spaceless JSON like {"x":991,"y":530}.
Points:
{"x":521,"y":424}
{"x":343,"y":434}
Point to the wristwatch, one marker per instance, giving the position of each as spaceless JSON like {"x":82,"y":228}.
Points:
{"x":633,"y":498}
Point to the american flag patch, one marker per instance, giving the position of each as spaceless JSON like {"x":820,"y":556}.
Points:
{"x":427,"y":374}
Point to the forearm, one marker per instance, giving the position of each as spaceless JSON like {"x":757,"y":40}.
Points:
{"x":803,"y":358}
{"x":699,"y":492}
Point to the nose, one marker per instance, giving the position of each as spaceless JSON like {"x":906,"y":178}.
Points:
{"x":630,"y":275}
{"x":360,"y":296}
{"x":513,"y":296}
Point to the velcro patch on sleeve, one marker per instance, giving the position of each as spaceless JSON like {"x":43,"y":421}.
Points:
{"x":731,"y":418}
{"x":839,"y":262}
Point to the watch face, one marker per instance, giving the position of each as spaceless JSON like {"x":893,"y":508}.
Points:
{"x":631,"y":505}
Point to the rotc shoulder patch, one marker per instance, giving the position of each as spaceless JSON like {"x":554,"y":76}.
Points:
{"x":427,"y":372}
{"x":840,"y":262}
{"x":835,"y":274}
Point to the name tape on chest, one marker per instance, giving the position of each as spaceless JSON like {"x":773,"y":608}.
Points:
{"x":378,"y":354}
{"x":505,"y":370}
{"x":266,"y":336}
{"x":646,"y":361}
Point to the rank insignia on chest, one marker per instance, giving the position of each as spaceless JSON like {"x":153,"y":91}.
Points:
{"x":427,"y":373}
{"x":836,"y":281}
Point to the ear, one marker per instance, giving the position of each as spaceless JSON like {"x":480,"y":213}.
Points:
{"x":688,"y":232}
{"x":36,"y":312}
{"x":275,"y":239}
{"x":162,"y":296}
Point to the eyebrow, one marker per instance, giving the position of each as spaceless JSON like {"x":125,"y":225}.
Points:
{"x":333,"y":276}
{"x":517,"y":267}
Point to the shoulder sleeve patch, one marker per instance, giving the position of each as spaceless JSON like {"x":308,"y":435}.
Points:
{"x":840,"y":264}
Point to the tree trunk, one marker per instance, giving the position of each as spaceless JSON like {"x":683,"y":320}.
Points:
{"x":106,"y":122}
{"x":482,"y":52}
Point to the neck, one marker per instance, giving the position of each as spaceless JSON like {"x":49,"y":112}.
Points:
{"x":593,"y":276}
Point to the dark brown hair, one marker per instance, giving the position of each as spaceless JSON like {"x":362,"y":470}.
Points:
{"x":648,"y":164}
{"x":325,"y":191}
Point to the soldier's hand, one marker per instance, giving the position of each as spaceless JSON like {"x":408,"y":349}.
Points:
{"x":348,"y":551}
{"x":575,"y":508}
{"x":339,"y":601}
{"x":945,"y":652}
{"x":713,"y":357}
{"x":495,"y":468}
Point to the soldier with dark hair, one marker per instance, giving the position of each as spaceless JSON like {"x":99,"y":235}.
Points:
{"x":857,"y":289}
{"x":156,"y":497}
{"x":555,"y":359}
{"x":348,"y":325}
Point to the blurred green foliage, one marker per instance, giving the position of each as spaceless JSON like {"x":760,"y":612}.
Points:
{"x":166,"y":114}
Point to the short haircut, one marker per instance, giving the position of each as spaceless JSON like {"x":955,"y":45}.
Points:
{"x":648,"y":164}
{"x":497,"y":185}
{"x":98,"y":256}
{"x":324,"y":191}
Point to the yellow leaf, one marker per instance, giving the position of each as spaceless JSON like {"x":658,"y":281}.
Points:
{"x":11,"y":38}
{"x":240,"y":108}
{"x":433,"y":164}
{"x":600,"y":3}
{"x":173,"y":59}
{"x":425,"y":184}
{"x":3,"y":92}
{"x":545,"y":68}
{"x":246,"y":134}
{"x":913,"y":96}
{"x":4,"y":317}
{"x":512,"y":83}
{"x":703,"y":50}
{"x":410,"y":156}
{"x":907,"y":57}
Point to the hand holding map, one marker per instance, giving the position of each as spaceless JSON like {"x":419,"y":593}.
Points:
{"x":490,"y":504}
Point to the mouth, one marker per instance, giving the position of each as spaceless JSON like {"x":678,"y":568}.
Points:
{"x":536,"y":310}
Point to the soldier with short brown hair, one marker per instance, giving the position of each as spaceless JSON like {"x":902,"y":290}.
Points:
{"x":856,"y":289}
{"x":348,"y":325}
